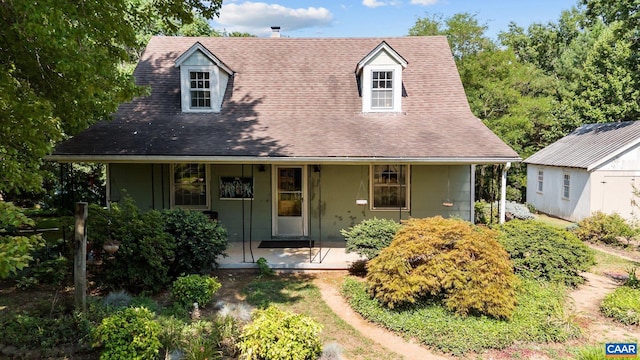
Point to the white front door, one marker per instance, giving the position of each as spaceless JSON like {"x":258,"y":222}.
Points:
{"x":290,"y":188}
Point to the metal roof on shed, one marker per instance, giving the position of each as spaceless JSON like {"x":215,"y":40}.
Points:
{"x":589,"y":145}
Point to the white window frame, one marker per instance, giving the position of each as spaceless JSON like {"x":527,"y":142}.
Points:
{"x":540,"y":187}
{"x":185,"y":75}
{"x":207,"y":185}
{"x":406,"y":172}
{"x":367,"y":88}
{"x":205,"y":80}
{"x":379,"y":82}
{"x":566,"y":186}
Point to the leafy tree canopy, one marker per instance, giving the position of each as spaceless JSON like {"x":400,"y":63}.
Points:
{"x":62,"y":68}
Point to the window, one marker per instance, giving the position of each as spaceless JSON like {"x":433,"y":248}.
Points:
{"x":200,"y":89}
{"x":566,"y":186}
{"x":382,"y":90}
{"x":189,"y":186}
{"x":390,"y":186}
{"x":540,"y":180}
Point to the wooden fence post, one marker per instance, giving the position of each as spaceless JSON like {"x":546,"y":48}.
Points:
{"x":80,"y":258}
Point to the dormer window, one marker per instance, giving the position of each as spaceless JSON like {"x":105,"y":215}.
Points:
{"x":382,"y":90}
{"x":380,"y":79}
{"x":203,"y":80}
{"x":200,"y":89}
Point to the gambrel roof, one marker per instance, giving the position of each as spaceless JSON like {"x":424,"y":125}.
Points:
{"x":295,"y":99}
{"x":589,"y":146}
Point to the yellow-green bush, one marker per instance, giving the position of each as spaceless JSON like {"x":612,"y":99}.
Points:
{"x":448,"y":259}
{"x":275,"y":334}
{"x":604,"y":228}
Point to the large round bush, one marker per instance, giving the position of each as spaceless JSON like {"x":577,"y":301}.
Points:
{"x":143,"y":258}
{"x":605,"y":228}
{"x":370,"y":236}
{"x":131,"y":333}
{"x":543,"y":252}
{"x":447,"y":259}
{"x":190,"y":289}
{"x":275,"y":334}
{"x":199,"y":241}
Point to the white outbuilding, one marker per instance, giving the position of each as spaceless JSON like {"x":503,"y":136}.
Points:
{"x":594,"y":168}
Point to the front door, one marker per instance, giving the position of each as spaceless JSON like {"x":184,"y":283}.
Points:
{"x":289,"y":211}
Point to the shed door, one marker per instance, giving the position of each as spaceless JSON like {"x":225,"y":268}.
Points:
{"x":289,"y":210}
{"x":618,"y":196}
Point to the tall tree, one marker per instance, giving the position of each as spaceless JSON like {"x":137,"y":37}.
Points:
{"x":61,"y":69}
{"x":513,"y":99}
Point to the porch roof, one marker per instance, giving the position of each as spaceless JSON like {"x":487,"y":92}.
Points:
{"x":294,"y":100}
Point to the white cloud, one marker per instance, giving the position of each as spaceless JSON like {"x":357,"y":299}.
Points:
{"x":258,"y":17}
{"x":373,"y":3}
{"x":424,"y":2}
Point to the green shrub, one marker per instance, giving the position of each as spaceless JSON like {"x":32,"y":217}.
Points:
{"x":190,"y":289}
{"x":143,"y":259}
{"x":275,"y":334}
{"x":35,"y":331}
{"x":131,"y":333}
{"x":263,"y":268}
{"x":199,"y":341}
{"x":605,"y":228}
{"x":199,"y":241}
{"x":542,"y":252}
{"x":370,"y":236}
{"x":15,"y":249}
{"x":623,"y":305}
{"x":446,"y":259}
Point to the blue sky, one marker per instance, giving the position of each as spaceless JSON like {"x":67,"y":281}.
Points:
{"x":376,"y":18}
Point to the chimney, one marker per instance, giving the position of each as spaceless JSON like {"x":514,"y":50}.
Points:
{"x":275,"y":31}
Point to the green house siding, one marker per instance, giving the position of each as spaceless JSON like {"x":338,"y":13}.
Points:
{"x":330,"y":202}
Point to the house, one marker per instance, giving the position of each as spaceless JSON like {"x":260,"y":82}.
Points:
{"x":284,"y":138}
{"x":595,"y":168}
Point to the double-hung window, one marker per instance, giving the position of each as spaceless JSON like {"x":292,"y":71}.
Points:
{"x":189,"y":186}
{"x":566,"y":186}
{"x":540,"y":180}
{"x":200,"y":89}
{"x":382,"y":90}
{"x":390,"y":187}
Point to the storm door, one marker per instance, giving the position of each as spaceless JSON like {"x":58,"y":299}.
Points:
{"x":290,"y":186}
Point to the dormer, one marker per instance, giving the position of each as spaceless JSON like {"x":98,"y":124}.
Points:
{"x":203,"y":80}
{"x":379,"y":77}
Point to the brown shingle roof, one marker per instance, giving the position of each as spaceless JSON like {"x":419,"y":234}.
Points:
{"x":296,"y":98}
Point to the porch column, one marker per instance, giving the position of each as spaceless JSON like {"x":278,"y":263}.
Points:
{"x":503,"y":192}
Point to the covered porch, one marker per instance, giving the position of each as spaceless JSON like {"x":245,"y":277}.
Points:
{"x":329,"y":255}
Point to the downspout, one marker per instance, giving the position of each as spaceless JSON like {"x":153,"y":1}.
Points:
{"x":503,"y":192}
{"x":472,"y":197}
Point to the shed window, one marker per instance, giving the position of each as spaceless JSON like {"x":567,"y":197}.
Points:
{"x":566,"y":186}
{"x":540,"y":180}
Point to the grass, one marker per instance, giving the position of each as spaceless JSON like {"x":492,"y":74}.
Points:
{"x":612,"y":263}
{"x":298,"y":294}
{"x":623,"y":305}
{"x":560,"y":223}
{"x":539,"y":317}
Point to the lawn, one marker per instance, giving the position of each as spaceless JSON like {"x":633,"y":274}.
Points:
{"x":539,"y":317}
{"x":296,"y":292}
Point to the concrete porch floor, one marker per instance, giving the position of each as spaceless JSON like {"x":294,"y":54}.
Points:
{"x":331,"y":256}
